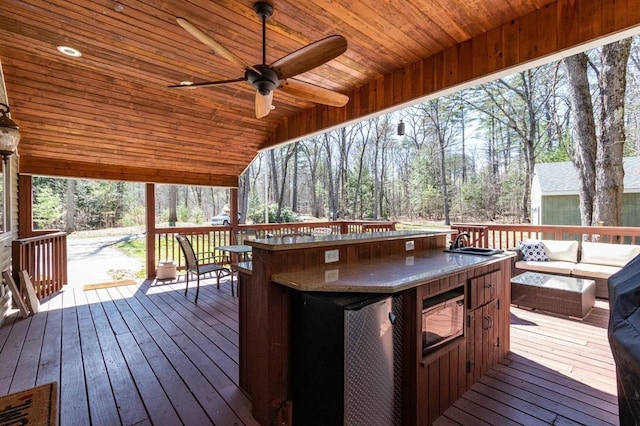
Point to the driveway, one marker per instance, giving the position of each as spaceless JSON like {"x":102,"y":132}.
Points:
{"x":91,"y":259}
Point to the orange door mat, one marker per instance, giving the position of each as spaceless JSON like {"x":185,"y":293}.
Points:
{"x":107,"y":284}
{"x":35,"y":406}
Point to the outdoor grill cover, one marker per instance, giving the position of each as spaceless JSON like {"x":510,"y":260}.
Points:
{"x":624,"y":338}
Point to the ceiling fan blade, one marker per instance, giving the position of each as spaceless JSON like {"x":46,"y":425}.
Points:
{"x":313,"y":93}
{"x":310,"y":56}
{"x":206,"y":84}
{"x":217,"y":47}
{"x":263,"y":104}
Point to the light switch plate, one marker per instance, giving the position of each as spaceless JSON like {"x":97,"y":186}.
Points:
{"x":331,"y":276}
{"x":331,"y":256}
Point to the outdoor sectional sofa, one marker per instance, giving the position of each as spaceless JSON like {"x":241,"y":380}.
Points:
{"x":592,"y":260}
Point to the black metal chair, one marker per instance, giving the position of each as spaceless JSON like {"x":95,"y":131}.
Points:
{"x":242,"y":235}
{"x":202,"y":266}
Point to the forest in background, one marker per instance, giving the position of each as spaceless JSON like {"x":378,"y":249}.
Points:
{"x":466,"y":156}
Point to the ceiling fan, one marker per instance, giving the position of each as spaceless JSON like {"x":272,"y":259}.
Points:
{"x":266,"y":78}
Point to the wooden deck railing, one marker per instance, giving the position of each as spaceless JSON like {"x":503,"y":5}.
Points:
{"x":508,"y":236}
{"x":44,"y":257}
{"x":206,"y":238}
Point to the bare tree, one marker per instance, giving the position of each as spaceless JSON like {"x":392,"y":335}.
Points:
{"x":70,"y":224}
{"x":443,"y":115}
{"x":312,"y":152}
{"x":331,"y":186}
{"x":598,"y":153}
{"x":173,"y":203}
{"x":244,"y":187}
{"x":518,"y":102}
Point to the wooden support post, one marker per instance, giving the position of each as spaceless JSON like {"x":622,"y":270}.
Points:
{"x":233,"y":204}
{"x":233,"y":201}
{"x":25,"y":206}
{"x":150,"y":224}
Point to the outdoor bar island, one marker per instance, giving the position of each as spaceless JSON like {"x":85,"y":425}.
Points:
{"x":373,"y":328}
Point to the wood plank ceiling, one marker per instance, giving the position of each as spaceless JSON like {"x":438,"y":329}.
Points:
{"x":109,"y":113}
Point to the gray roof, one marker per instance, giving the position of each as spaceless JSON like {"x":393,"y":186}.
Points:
{"x":563,"y":178}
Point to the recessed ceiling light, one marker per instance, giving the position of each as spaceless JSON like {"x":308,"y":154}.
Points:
{"x":187,"y":84}
{"x":69,"y":51}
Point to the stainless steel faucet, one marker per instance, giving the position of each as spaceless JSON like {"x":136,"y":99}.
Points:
{"x":460,"y":242}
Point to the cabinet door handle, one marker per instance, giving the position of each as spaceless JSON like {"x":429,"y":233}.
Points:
{"x":488,"y":285}
{"x":489,"y":322}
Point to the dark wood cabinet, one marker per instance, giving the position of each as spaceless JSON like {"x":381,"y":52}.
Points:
{"x":485,"y":318}
{"x":443,"y":376}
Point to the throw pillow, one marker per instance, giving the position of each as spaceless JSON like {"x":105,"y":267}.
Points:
{"x":533,"y":251}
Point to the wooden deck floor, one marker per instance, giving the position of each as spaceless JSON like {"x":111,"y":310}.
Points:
{"x":145,"y":354}
{"x":560,"y":371}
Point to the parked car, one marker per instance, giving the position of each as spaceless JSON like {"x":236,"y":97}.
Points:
{"x":221,"y":218}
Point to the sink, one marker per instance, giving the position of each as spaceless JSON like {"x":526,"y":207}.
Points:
{"x":481,"y":251}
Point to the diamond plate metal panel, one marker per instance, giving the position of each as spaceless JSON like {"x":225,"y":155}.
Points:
{"x":372,"y":372}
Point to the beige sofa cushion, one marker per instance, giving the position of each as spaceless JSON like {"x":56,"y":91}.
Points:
{"x":565,"y":251}
{"x":550,"y":267}
{"x":592,"y":270}
{"x":608,"y":254}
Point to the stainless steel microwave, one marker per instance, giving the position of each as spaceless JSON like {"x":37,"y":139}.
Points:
{"x":442,"y":319}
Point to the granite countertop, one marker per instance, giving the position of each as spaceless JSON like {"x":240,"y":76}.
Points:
{"x":288,"y":243}
{"x":387,"y":275}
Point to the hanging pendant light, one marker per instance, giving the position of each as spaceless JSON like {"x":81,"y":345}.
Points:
{"x":401,"y":128}
{"x":9,"y":133}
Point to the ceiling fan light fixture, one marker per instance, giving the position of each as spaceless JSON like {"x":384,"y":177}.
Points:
{"x":264,"y":83}
{"x":187,"y":85}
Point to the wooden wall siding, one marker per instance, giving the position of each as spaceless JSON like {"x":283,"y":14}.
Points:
{"x":553,"y":28}
{"x":11,"y":188}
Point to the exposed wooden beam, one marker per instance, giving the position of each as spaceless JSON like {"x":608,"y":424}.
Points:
{"x":73,"y":169}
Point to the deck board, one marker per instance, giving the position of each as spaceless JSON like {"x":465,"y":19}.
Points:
{"x":560,"y":371}
{"x":72,"y":381}
{"x":102,"y":405}
{"x":146,"y":354}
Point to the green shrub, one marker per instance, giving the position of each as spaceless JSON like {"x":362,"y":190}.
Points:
{"x":286,"y":215}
